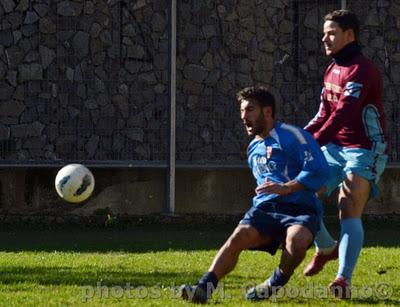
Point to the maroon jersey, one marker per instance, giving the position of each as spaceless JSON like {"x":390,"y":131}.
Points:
{"x":351,"y":109}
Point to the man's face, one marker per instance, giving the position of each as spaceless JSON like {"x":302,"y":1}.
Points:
{"x":335,"y":38}
{"x":252,"y":117}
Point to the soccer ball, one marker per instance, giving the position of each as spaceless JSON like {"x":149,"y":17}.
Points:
{"x":74,"y":183}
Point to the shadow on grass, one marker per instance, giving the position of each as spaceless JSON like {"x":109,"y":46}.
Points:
{"x":155,"y":237}
{"x":134,"y":240}
{"x":92,"y":277}
{"x":101,"y":283}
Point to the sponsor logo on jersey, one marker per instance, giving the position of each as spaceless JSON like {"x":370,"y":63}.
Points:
{"x":263,"y":165}
{"x":333,"y":87}
{"x":331,"y":97}
{"x":353,"y":89}
{"x":336,"y":71}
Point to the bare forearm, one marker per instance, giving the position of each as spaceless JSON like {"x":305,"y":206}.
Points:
{"x":294,"y":186}
{"x":269,"y":187}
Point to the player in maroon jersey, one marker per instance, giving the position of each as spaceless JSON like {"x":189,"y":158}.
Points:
{"x":350,"y":128}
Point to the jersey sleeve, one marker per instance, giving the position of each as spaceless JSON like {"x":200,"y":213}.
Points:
{"x":320,"y":118}
{"x":349,"y":103}
{"x":314,"y":168}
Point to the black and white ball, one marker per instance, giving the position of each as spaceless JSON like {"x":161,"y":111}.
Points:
{"x":74,"y":183}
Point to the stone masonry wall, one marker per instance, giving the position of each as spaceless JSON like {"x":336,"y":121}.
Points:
{"x":83,"y":80}
{"x":89,"y":80}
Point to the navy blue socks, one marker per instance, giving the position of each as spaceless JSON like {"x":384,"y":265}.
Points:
{"x":207,"y":280}
{"x":277,"y":279}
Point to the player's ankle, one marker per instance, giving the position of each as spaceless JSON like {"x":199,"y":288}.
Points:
{"x":326,"y":250}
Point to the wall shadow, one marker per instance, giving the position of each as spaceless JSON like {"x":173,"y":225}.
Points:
{"x":145,"y":238}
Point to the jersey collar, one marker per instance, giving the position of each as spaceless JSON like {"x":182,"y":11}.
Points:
{"x":347,"y":53}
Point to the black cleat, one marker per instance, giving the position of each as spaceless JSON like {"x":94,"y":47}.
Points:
{"x":261,"y":292}
{"x":193,"y":294}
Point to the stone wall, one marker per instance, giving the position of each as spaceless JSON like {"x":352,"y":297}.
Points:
{"x":83,"y":80}
{"x":226,"y":45}
{"x":89,"y":80}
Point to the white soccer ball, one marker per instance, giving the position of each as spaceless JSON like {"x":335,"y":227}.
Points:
{"x":74,"y":183}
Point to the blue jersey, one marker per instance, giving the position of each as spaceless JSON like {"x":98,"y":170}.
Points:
{"x":289,"y":153}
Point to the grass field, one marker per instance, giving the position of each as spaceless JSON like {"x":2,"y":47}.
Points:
{"x":144,"y":265}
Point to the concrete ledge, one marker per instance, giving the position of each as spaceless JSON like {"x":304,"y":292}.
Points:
{"x":142,"y":191}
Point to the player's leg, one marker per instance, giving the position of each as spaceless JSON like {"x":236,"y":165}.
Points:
{"x":298,"y":239}
{"x":298,"y":229}
{"x":353,"y":196}
{"x":244,"y":237}
{"x":326,"y":246}
{"x":324,"y":243}
{"x":363,"y":170}
{"x":326,"y":250}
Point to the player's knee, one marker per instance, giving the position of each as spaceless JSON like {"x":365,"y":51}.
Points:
{"x":298,"y":242}
{"x":240,"y":237}
{"x":349,"y":206}
{"x":354,"y":192}
{"x":346,"y":198}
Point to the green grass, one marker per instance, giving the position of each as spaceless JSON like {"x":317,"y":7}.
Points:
{"x":143,"y":266}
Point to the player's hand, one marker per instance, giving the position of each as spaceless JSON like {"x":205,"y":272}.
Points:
{"x":269,"y":187}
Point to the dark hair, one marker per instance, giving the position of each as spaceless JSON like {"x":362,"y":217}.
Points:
{"x":258,"y":93}
{"x":346,"y":20}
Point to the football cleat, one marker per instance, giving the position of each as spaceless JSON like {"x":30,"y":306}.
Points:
{"x":318,"y":261}
{"x":194,"y":294}
{"x":262,"y":291}
{"x":340,"y":287}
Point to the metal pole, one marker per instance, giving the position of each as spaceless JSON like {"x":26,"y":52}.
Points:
{"x":344,"y":4}
{"x":172,"y":139}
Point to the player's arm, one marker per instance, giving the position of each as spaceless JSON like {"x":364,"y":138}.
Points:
{"x":349,"y":103}
{"x":314,"y":171}
{"x":270,"y":187}
{"x":320,"y":118}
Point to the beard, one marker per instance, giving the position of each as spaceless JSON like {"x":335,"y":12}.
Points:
{"x":258,"y":126}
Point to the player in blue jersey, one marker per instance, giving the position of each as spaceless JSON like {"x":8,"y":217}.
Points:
{"x":289,"y":168}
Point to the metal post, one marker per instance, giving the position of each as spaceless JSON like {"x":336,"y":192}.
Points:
{"x":172,"y":139}
{"x":343,"y":4}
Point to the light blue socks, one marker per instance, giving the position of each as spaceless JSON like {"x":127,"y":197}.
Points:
{"x":323,"y":240}
{"x":351,"y":242}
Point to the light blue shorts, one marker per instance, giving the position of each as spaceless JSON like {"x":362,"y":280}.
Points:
{"x":359,"y":161}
